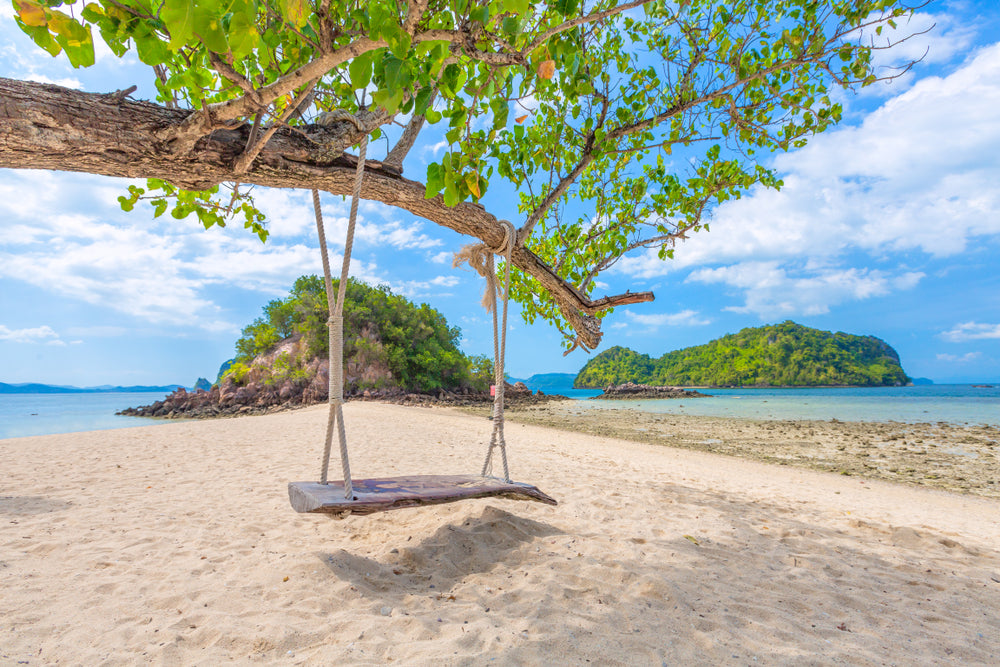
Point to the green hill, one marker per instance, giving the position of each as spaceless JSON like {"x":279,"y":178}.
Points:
{"x":779,"y":355}
{"x":389,"y":342}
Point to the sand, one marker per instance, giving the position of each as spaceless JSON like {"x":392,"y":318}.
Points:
{"x":174,"y":544}
{"x":937,"y":455}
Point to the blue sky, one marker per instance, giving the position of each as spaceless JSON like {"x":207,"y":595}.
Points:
{"x":887,"y":225}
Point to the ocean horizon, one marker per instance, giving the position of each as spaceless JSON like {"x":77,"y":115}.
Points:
{"x":28,"y":414}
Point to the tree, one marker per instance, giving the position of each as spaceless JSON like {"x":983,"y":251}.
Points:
{"x":603,"y":94}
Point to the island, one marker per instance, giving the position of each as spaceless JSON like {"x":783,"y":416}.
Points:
{"x":778,"y":355}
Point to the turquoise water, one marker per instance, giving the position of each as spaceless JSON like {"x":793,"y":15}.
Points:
{"x":953,"y":404}
{"x":43,"y":414}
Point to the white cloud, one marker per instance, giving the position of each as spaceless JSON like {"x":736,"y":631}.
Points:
{"x":433,"y":150}
{"x":933,"y":38}
{"x":954,"y":358}
{"x":66,"y":82}
{"x":773,"y":290}
{"x":416,"y":288}
{"x":971,"y":331}
{"x":40,"y":334}
{"x":443,"y":257}
{"x":919,"y":173}
{"x":657,"y":320}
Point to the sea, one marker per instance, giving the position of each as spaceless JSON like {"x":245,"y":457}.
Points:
{"x":955,"y":404}
{"x":45,"y":414}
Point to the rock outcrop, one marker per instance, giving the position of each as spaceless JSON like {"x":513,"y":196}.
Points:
{"x":630,"y":390}
{"x":228,"y":399}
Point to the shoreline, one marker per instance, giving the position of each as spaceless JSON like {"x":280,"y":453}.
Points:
{"x":960,"y":458}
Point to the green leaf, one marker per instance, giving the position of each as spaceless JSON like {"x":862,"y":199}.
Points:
{"x":208,"y":26}
{"x":432,"y":115}
{"x":435,"y":180}
{"x":148,"y":46}
{"x":42,"y":37}
{"x":178,"y":16}
{"x":566,"y":7}
{"x":422,"y":101}
{"x":243,"y":36}
{"x":360,"y":70}
{"x":451,"y":194}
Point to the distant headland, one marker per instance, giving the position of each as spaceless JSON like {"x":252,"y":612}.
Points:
{"x":36,"y":388}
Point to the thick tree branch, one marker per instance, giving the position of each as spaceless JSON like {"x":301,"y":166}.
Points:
{"x":58,"y":129}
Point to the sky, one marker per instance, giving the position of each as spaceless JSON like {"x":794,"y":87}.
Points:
{"x":887,"y":225}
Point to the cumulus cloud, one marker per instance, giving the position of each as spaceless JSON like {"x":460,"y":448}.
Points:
{"x":772,"y":290}
{"x":161,"y":270}
{"x":682,"y":318}
{"x":971,"y":331}
{"x":928,"y":38}
{"x":646,"y":323}
{"x":416,"y":288}
{"x":917,"y":174}
{"x":42,"y":334}
{"x":66,"y":82}
{"x":959,"y":359}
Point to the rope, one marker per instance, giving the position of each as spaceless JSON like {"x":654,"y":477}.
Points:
{"x":335,"y":414}
{"x":480,"y":257}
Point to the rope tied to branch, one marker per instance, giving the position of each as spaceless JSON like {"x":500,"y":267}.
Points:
{"x":480,"y":257}
{"x":335,"y":414}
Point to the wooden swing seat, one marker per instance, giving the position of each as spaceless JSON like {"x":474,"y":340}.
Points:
{"x":392,"y":493}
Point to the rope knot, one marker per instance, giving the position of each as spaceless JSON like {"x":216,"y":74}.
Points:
{"x":479,"y":256}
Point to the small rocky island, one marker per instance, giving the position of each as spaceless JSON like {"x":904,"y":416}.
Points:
{"x":630,"y":390}
{"x":228,"y":400}
{"x":394,"y":350}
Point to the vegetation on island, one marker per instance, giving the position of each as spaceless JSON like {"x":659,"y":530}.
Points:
{"x":779,"y":355}
{"x":389,"y":342}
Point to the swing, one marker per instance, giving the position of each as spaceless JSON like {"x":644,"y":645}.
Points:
{"x":366,"y":496}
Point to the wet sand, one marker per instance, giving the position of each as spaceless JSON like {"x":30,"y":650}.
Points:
{"x":957,"y":458}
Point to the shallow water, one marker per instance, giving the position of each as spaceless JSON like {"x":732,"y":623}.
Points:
{"x":951,"y":404}
{"x":43,"y":414}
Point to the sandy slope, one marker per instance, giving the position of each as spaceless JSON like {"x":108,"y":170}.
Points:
{"x":175,"y":544}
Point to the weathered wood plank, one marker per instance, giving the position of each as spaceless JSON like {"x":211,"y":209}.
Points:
{"x":390,"y":493}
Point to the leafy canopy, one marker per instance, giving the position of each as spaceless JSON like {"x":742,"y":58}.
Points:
{"x":619,"y":124}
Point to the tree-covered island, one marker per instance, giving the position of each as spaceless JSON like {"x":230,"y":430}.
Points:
{"x":779,"y":355}
{"x":394,"y":349}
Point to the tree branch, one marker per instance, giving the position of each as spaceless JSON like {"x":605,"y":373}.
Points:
{"x":49,"y":127}
{"x":405,"y":143}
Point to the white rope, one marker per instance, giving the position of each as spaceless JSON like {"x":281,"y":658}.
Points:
{"x":335,"y":414}
{"x":480,"y":257}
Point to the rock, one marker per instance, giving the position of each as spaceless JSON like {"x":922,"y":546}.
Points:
{"x":631,"y":390}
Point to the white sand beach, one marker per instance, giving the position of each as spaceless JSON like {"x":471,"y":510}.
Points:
{"x":175,"y":544}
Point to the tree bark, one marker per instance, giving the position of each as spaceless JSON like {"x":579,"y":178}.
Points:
{"x":49,"y":127}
